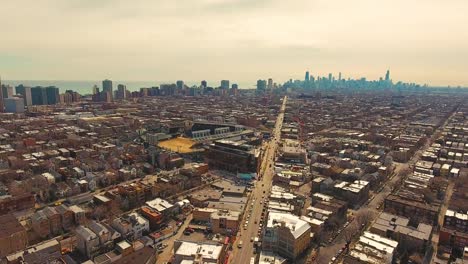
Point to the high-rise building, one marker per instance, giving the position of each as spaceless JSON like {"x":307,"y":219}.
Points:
{"x":307,"y":76}
{"x":25,"y":92}
{"x":70,"y":97}
{"x":330,"y":77}
{"x":53,"y":95}
{"x":180,"y":84}
{"x":1,"y":97}
{"x":339,"y":76}
{"x":14,"y":105}
{"x":95,"y":89}
{"x":38,"y":95}
{"x":107,"y":87}
{"x":204,"y":84}
{"x":270,"y":83}
{"x":224,"y":84}
{"x":121,"y":91}
{"x":8,"y":91}
{"x":387,"y":76}
{"x":261,"y":85}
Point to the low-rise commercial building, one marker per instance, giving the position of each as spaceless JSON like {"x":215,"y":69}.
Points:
{"x":198,"y":252}
{"x":225,"y":221}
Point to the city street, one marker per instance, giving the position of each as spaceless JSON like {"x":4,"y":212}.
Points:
{"x":259,"y":193}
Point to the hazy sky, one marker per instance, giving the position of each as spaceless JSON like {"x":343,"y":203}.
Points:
{"x":424,"y":41}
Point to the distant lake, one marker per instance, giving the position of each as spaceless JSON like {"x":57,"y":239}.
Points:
{"x":85,"y":87}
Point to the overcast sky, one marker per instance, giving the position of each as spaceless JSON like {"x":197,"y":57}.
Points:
{"x":423,"y":41}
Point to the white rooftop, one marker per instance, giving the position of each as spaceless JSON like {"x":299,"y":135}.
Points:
{"x":205,"y":250}
{"x":296,"y":225}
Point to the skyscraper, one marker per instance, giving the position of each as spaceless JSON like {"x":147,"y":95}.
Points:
{"x":307,"y":76}
{"x":121,"y":91}
{"x":339,"y":76}
{"x":39,"y":95}
{"x":204,"y":84}
{"x":25,"y":92}
{"x":224,"y":84}
{"x":180,"y":84}
{"x":1,"y":97}
{"x":14,"y":105}
{"x":95,"y":89}
{"x":270,"y":83}
{"x":107,"y":87}
{"x":387,"y":76}
{"x":53,"y":96}
{"x":261,"y":85}
{"x":8,"y":91}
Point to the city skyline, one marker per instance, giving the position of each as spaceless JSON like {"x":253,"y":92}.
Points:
{"x":237,"y":39}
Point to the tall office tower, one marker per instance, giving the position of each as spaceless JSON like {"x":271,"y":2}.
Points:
{"x":270,"y":83}
{"x":121,"y":91}
{"x":39,"y":95}
{"x":53,"y":95}
{"x":339,"y":76}
{"x":330,"y":77}
{"x":307,"y":76}
{"x":1,"y":97}
{"x":180,"y":84}
{"x":14,"y":105}
{"x":8,"y":91}
{"x":107,"y":87}
{"x":225,"y":84}
{"x":387,"y":76}
{"x":95,"y":89}
{"x":261,"y":85}
{"x":204,"y":84}
{"x":25,"y":92}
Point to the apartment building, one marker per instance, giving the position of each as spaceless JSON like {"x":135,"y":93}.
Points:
{"x":55,"y":220}
{"x":87,"y":241}
{"x":286,"y":234}
{"x":40,"y":224}
{"x":131,"y":226}
{"x":412,"y":209}
{"x":398,"y":228}
{"x":373,"y":249}
{"x":66,"y":217}
{"x":13,"y":235}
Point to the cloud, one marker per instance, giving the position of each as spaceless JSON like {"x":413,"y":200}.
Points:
{"x":421,"y":41}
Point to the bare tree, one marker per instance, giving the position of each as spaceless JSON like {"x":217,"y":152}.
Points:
{"x":350,"y":232}
{"x":364,"y":216}
{"x":405,"y":171}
